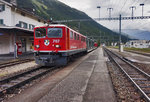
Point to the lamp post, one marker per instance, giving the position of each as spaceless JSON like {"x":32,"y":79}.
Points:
{"x":99,"y":11}
{"x":142,"y":8}
{"x":109,"y":9}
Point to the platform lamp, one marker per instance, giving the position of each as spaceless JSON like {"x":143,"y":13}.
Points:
{"x":142,"y":8}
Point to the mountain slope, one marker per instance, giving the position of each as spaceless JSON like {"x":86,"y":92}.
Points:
{"x":138,"y":34}
{"x":59,"y":11}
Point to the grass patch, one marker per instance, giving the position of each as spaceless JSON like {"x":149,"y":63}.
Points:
{"x":39,"y":4}
{"x":116,"y":47}
{"x":3,"y":74}
{"x":144,"y":50}
{"x":40,"y":7}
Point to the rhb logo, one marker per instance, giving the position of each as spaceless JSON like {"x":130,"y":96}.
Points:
{"x":46,"y":42}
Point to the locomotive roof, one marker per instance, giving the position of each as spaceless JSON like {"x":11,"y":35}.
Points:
{"x":60,"y":25}
{"x":56,"y":25}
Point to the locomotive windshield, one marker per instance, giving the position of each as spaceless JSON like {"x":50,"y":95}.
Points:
{"x":40,"y":32}
{"x":54,"y":32}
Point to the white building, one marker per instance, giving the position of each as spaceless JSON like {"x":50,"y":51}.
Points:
{"x":138,"y":44}
{"x":16,"y":25}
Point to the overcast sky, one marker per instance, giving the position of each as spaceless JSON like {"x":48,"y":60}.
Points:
{"x":119,"y":7}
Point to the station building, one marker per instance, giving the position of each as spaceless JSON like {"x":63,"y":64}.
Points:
{"x":16,"y":26}
{"x":138,"y":44}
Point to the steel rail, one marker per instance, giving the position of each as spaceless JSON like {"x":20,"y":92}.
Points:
{"x":8,"y":64}
{"x":123,"y":59}
{"x":26,"y":79}
{"x":146,"y":97}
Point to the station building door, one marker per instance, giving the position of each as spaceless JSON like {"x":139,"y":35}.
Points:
{"x":4,"y":43}
{"x":23,"y":42}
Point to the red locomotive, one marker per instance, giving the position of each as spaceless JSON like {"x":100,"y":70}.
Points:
{"x":54,"y":44}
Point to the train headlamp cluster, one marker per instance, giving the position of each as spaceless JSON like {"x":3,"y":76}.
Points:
{"x":57,"y":46}
{"x":37,"y":46}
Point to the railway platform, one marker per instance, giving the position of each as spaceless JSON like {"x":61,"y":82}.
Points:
{"x":134,"y":57}
{"x":85,"y":80}
{"x":10,"y":57}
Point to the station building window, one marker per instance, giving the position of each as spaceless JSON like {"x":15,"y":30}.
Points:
{"x":23,"y":14}
{"x":1,"y":21}
{"x":31,"y":27}
{"x":39,"y":20}
{"x":2,"y":7}
{"x":23,"y":24}
{"x":132,"y":43}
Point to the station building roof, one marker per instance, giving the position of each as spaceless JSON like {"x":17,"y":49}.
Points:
{"x":17,"y":29}
{"x":23,"y":10}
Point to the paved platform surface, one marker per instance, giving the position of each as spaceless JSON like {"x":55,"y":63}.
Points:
{"x":10,"y":57}
{"x":89,"y":82}
{"x":86,"y":80}
{"x":134,"y":57}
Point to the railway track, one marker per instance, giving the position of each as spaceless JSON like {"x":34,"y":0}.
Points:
{"x":8,"y":85}
{"x":139,"y":79}
{"x":2,"y":65}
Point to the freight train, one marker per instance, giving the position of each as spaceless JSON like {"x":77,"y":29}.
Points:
{"x":55,"y":44}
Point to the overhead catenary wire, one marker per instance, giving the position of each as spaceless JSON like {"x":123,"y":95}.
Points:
{"x":125,"y":8}
{"x":137,"y":7}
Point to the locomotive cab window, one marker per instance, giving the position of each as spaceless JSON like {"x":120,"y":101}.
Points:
{"x":40,"y":32}
{"x":54,"y":32}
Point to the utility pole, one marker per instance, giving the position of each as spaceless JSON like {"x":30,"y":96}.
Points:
{"x":109,"y":9}
{"x":15,"y":43}
{"x":100,"y":35}
{"x":142,"y":8}
{"x":132,"y":8}
{"x":120,"y":29}
{"x":120,"y":45}
{"x":15,"y":46}
{"x":99,"y":11}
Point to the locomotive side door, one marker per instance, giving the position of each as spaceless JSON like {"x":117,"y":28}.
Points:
{"x":67,"y":39}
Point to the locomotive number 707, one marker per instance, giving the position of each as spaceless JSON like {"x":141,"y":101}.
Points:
{"x":56,"y":41}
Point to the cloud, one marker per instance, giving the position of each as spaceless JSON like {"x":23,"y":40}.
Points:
{"x":119,"y":7}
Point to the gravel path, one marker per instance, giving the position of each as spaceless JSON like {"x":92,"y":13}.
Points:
{"x":125,"y":91}
{"x":141,"y":61}
{"x":16,"y":68}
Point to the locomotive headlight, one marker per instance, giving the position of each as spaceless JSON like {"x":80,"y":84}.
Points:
{"x":57,"y":46}
{"x":37,"y":46}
